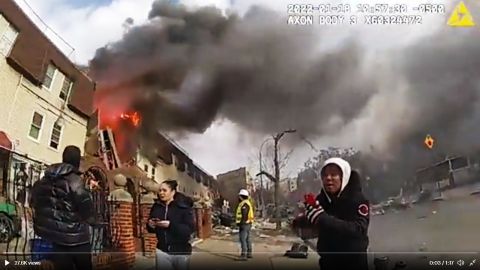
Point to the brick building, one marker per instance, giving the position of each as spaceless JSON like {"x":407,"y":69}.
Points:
{"x":231,"y":182}
{"x":45,"y":100}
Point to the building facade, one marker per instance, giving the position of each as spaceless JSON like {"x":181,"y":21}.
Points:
{"x":45,"y":100}
{"x":288,"y":185}
{"x":174,"y":163}
{"x":231,"y":182}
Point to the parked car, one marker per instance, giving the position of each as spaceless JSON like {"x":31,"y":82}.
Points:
{"x":10,"y":222}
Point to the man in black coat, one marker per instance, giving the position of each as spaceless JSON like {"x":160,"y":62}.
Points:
{"x":63,"y":209}
{"x":341,"y":214}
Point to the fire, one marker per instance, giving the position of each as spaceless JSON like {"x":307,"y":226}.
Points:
{"x":134,"y":117}
{"x":429,"y":141}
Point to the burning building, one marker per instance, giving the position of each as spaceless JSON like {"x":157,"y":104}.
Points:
{"x":112,"y":139}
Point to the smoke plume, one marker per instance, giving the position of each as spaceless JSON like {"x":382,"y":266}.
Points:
{"x":184,"y":69}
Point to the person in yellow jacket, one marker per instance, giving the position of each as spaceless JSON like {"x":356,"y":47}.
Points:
{"x":244,"y":217}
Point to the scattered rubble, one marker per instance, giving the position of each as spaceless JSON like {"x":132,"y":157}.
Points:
{"x":377,"y":210}
{"x":223,"y":230}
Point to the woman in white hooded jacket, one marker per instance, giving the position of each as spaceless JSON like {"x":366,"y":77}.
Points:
{"x":341,"y":214}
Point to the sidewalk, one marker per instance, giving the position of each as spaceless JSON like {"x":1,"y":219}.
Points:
{"x":217,"y":253}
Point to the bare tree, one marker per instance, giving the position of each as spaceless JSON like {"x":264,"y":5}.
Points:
{"x":276,"y":177}
{"x":268,"y":159}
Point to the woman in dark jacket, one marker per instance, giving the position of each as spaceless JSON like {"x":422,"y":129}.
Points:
{"x":171,"y":219}
{"x":340,"y":213}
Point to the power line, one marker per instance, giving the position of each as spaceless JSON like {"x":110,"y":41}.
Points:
{"x":48,"y":27}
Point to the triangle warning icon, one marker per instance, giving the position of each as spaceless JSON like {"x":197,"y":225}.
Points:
{"x":461,"y":17}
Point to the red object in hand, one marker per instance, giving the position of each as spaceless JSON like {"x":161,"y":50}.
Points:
{"x":310,"y":199}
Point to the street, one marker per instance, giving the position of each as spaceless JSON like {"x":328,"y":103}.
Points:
{"x":440,"y":230}
{"x":222,"y":253}
{"x":443,"y":226}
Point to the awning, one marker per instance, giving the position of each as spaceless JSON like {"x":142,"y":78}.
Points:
{"x":5,"y":142}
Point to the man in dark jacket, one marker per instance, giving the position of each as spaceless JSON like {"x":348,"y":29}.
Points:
{"x":341,"y":214}
{"x":63,"y":209}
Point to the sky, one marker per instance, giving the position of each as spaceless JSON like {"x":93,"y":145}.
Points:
{"x":86,"y":25}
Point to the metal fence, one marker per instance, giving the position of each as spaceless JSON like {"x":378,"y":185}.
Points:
{"x":16,"y":225}
{"x":17,"y":237}
{"x":105,"y":231}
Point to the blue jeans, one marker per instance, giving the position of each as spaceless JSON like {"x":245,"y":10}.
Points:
{"x":245,"y":242}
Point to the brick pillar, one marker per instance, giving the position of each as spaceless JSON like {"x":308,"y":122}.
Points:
{"x":199,"y":222}
{"x":121,"y":203}
{"x":149,"y":240}
{"x":207,"y":222}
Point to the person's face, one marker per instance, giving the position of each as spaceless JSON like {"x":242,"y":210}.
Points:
{"x":165,"y":193}
{"x":332,"y":179}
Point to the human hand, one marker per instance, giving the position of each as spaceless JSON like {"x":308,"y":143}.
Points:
{"x":153,"y":222}
{"x":313,"y":209}
{"x":309,"y":200}
{"x":163,"y":223}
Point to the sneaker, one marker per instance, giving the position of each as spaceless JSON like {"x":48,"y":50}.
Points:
{"x":242,"y":258}
{"x":249,"y":256}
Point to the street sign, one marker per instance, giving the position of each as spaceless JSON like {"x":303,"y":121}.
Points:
{"x":429,"y":141}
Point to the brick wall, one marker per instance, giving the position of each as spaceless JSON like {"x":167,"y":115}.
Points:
{"x":121,"y":221}
{"x":199,"y":222}
{"x":149,"y":239}
{"x":207,"y":222}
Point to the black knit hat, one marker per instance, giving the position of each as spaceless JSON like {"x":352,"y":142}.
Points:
{"x":71,"y":155}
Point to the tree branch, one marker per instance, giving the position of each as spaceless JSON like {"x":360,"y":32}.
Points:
{"x":269,"y":176}
{"x":285,"y":159}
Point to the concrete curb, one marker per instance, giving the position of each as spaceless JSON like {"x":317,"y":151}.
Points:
{"x":196,"y":242}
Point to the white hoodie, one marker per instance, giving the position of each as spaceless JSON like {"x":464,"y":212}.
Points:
{"x":346,"y":171}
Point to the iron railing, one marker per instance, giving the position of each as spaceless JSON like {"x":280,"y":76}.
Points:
{"x":17,"y":237}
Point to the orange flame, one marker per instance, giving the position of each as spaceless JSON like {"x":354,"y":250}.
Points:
{"x":429,"y":141}
{"x":133,"y":117}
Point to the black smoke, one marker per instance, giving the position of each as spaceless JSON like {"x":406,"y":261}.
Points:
{"x":188,"y":68}
{"x":184,"y":69}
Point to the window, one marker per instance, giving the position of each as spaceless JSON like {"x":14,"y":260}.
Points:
{"x":458,"y":163}
{"x":66,"y":86}
{"x":55,"y":138}
{"x":36,"y":126}
{"x":153,"y":172}
{"x":145,"y":168}
{"x":7,"y":39}
{"x":47,"y":82}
